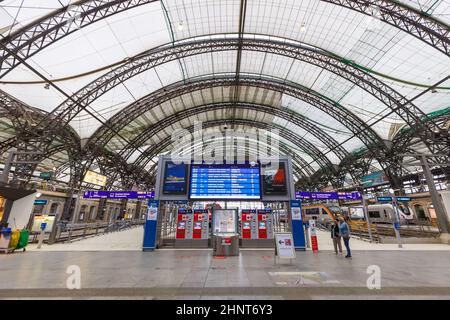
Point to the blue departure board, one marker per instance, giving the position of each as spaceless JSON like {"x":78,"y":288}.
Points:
{"x":222,"y":181}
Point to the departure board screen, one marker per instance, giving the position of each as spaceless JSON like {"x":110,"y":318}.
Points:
{"x":224,"y":181}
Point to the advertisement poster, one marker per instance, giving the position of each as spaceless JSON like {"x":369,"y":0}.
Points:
{"x":274,"y":180}
{"x":152,"y":210}
{"x":284,"y":245}
{"x":38,"y":220}
{"x":175,"y":178}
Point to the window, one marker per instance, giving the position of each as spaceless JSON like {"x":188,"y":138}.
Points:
{"x":54,"y":208}
{"x":312,"y":211}
{"x":374,"y":214}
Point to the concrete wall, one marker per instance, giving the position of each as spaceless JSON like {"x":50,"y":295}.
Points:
{"x":21,"y":211}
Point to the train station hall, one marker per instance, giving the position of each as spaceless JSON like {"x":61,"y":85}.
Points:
{"x":246,"y":150}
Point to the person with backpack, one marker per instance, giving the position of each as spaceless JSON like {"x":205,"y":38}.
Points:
{"x":336,"y":236}
{"x":344,"y":230}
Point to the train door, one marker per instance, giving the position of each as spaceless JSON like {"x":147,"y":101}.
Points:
{"x":420,"y":212}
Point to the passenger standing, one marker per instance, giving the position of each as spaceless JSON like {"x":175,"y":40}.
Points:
{"x":336,"y":236}
{"x":344,"y":230}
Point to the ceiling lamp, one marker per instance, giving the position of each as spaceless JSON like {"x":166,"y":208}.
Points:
{"x":302,"y":28}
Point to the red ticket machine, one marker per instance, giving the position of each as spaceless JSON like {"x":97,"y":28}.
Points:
{"x":197,"y":230}
{"x":181,"y":226}
{"x":182,"y":223}
{"x":262,"y":226}
{"x":246,"y":227}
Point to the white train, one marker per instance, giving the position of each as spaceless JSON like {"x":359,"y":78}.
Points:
{"x":379,"y":213}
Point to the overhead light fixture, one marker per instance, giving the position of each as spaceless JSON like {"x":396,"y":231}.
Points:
{"x":302,"y":28}
{"x":180,"y":26}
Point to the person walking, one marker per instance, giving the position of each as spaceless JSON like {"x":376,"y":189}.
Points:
{"x":344,"y":231}
{"x":336,"y":236}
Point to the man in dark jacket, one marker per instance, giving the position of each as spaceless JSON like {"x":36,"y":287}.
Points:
{"x":336,"y":236}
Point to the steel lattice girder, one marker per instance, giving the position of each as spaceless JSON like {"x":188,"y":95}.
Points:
{"x":84,"y":97}
{"x":119,"y":121}
{"x":143,"y":160}
{"x":36,"y":36}
{"x":166,"y":143}
{"x":298,"y":141}
{"x":279,"y":112}
{"x":419,"y":24}
{"x":158,"y":148}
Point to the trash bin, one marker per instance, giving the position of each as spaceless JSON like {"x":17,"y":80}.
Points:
{"x":226,"y":244}
{"x":5,"y":238}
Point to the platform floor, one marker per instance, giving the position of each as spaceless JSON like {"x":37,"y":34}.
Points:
{"x":114,"y":267}
{"x":131,"y":240}
{"x":195,"y":274}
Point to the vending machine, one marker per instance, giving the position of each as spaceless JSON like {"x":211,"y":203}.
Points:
{"x":201,"y":224}
{"x":249,"y":228}
{"x":265,"y":224}
{"x":184,"y":227}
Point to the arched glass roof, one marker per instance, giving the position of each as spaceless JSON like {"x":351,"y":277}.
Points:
{"x":111,"y":57}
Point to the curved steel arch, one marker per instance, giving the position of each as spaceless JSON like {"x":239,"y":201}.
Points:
{"x":283,"y":113}
{"x":297,"y":171}
{"x":39,"y":34}
{"x":396,"y":102}
{"x":146,"y":157}
{"x":295,"y":139}
{"x":160,"y":147}
{"x":117,"y":122}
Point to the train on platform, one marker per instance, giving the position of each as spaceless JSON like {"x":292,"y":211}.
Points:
{"x":378,"y":213}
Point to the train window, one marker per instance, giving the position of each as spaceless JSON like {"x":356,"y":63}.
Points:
{"x":312,"y":211}
{"x":54,"y":208}
{"x":374,"y":214}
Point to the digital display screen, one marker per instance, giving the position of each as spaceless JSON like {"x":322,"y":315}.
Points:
{"x":175,"y":178}
{"x":274,"y":179}
{"x":225,"y":181}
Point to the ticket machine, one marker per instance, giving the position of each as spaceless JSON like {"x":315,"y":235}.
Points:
{"x":200,"y":230}
{"x":265,"y":224}
{"x":184,"y":227}
{"x":249,"y":228}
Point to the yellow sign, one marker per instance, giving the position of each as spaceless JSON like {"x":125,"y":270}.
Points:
{"x":94,"y":178}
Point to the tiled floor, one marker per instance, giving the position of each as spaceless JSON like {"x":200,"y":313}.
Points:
{"x":131,"y":240}
{"x":173,"y":274}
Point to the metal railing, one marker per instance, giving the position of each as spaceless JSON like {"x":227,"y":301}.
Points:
{"x":66,"y":232}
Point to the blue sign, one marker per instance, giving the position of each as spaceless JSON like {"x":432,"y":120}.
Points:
{"x":40,"y":202}
{"x":384,"y":199}
{"x":149,"y":241}
{"x":355,"y":195}
{"x":225,"y":181}
{"x":118,"y":195}
{"x":405,"y":199}
{"x":374,"y":179}
{"x":298,"y":233}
